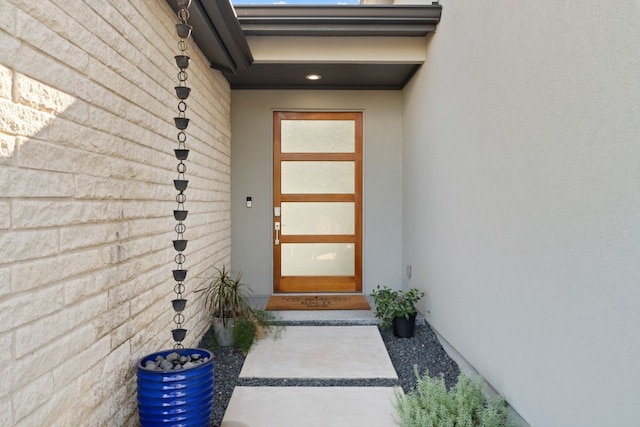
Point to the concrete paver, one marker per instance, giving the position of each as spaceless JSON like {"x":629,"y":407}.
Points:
{"x":311,"y":407}
{"x":320,"y":352}
{"x":316,"y":352}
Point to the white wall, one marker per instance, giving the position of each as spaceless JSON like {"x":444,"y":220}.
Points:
{"x":251,"y":165}
{"x":521,"y":201}
{"x":86,"y":200}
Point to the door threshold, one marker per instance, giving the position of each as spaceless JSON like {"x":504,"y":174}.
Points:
{"x":319,"y":317}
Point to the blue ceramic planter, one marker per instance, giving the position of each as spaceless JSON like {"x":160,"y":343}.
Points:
{"x":182,"y":398}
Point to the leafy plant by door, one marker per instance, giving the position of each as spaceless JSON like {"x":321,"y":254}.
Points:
{"x":390,"y":304}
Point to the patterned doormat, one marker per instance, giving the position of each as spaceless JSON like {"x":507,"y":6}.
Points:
{"x":317,"y":302}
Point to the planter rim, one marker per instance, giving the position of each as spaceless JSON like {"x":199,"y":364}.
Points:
{"x":180,"y":351}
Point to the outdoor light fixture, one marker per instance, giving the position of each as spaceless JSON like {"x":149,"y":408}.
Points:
{"x":313,"y":77}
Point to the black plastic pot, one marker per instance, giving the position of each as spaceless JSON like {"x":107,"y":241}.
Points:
{"x":403,"y":327}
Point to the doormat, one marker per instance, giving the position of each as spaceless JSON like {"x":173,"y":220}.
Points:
{"x":317,"y":302}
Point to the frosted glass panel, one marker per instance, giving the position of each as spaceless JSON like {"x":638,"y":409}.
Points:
{"x":318,"y":259}
{"x":318,"y":136}
{"x":318,"y":177}
{"x":318,"y":218}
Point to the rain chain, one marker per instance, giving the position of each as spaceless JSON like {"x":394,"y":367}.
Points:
{"x":180,"y":214}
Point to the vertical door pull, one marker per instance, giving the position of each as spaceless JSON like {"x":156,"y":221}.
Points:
{"x":277,"y":228}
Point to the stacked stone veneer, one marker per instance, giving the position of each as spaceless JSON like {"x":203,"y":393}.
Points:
{"x":86,"y":199}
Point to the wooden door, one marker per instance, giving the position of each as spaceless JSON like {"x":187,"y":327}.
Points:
{"x":317,"y":186}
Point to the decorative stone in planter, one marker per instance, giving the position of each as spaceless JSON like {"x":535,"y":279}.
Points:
{"x":403,"y":327}
{"x":175,"y":388}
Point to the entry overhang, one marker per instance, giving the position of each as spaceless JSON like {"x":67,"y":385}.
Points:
{"x":348,"y":45}
{"x":342,"y":20}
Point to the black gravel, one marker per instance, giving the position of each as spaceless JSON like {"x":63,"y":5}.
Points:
{"x":423,"y":350}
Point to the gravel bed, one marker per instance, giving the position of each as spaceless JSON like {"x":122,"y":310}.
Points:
{"x":423,"y":350}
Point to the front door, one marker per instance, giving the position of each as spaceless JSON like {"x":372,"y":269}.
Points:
{"x":317,"y":199}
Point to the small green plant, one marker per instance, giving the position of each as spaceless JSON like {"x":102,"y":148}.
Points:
{"x":390,"y":304}
{"x":209,"y":341}
{"x":260,"y":324}
{"x":430,"y":404}
{"x":244,"y":334}
{"x":268,"y":324}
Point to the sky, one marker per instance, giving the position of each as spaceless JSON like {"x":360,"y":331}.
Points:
{"x":308,"y":2}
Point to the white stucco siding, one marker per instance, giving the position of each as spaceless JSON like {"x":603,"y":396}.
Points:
{"x":521,"y":202}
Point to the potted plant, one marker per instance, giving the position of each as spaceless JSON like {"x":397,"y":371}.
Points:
{"x":226,"y":298}
{"x":397,"y":309}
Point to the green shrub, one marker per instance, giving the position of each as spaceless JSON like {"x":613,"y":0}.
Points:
{"x":390,"y":304}
{"x":244,"y":334}
{"x":260,"y":324}
{"x":430,"y":404}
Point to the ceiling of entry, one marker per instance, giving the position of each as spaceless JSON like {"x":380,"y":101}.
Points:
{"x":222,"y":32}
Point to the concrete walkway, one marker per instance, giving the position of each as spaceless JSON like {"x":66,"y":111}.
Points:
{"x":340,"y":376}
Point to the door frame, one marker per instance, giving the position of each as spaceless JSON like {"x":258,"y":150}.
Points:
{"x":320,"y":284}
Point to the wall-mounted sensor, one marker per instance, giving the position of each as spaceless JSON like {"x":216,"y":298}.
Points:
{"x":249,"y":201}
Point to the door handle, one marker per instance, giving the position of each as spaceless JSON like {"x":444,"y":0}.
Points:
{"x":277,"y":228}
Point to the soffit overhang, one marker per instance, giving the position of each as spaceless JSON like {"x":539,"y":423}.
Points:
{"x":345,"y":20}
{"x":218,"y":34}
{"x":235,"y":42}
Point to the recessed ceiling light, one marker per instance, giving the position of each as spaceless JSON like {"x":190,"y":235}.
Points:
{"x":313,"y":77}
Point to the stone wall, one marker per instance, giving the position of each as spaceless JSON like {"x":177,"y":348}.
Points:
{"x":86,"y":194}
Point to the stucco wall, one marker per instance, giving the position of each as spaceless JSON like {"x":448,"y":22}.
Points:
{"x":252,"y":166}
{"x":86,"y":193}
{"x":521,"y":201}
